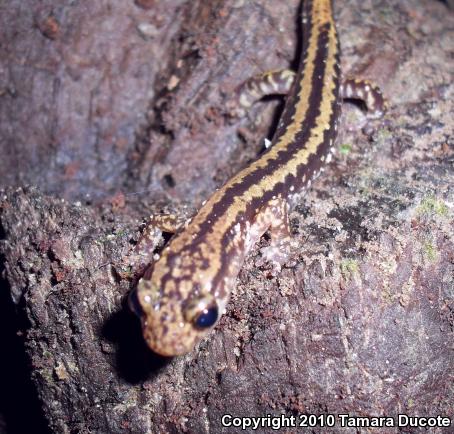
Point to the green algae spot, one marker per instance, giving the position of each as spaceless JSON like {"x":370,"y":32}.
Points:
{"x":430,"y":205}
{"x":345,"y":148}
{"x":430,"y":251}
{"x":349,"y":267}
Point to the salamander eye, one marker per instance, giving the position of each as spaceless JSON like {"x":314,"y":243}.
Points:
{"x":207,"y":317}
{"x":202,"y":312}
{"x":134,"y":304}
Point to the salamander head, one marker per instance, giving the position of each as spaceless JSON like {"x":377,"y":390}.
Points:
{"x":175,"y":313}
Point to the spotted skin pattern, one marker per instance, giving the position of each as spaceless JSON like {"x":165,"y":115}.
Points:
{"x":181,"y":296}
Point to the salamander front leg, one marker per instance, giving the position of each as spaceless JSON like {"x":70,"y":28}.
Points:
{"x":273,"y":217}
{"x":143,"y":253}
{"x":143,"y":256}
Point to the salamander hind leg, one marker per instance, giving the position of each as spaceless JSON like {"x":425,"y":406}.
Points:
{"x":254,"y":89}
{"x":274,"y":217}
{"x":367,"y":92}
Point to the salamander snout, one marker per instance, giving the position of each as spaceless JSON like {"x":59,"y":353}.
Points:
{"x":171,"y":325}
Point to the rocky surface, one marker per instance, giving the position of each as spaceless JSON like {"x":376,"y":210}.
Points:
{"x":118,"y":110}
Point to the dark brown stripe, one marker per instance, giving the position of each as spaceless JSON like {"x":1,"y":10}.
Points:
{"x":285,"y":155}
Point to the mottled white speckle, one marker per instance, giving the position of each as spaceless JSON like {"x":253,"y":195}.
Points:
{"x":370,"y":100}
{"x":263,"y":87}
{"x":147,"y":30}
{"x":147,"y":299}
{"x":244,"y":101}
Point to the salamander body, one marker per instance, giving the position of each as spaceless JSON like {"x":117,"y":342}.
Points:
{"x":182,"y":295}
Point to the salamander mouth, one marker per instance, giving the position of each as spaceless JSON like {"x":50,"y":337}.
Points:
{"x":168,"y":344}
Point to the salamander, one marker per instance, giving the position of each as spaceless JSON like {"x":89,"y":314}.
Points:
{"x":182,"y":295}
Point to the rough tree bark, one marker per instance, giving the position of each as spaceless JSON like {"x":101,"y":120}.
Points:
{"x":119,"y":108}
